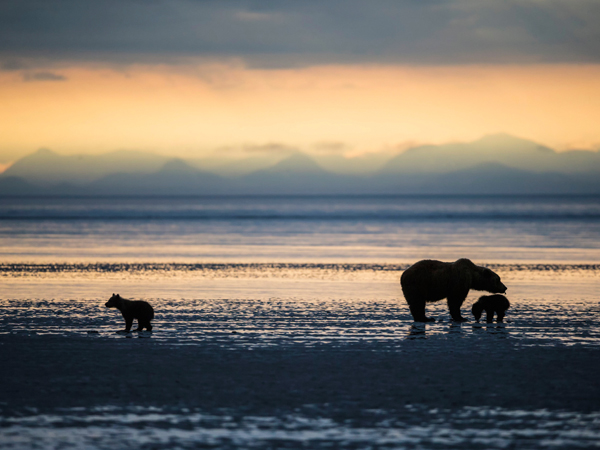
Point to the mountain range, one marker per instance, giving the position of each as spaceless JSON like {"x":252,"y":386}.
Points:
{"x":495,"y":164}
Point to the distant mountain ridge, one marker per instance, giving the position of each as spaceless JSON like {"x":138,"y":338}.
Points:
{"x":47,"y":167}
{"x":496,"y":164}
{"x":499,"y":148}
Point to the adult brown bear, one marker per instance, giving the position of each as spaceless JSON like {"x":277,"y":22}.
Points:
{"x":132,"y":309}
{"x":429,"y":281}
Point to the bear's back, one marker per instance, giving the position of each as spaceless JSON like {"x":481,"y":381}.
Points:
{"x":428,"y":279}
{"x":496,"y":301}
{"x":139,"y":308}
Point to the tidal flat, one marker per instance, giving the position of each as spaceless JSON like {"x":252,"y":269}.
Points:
{"x":294,"y":356}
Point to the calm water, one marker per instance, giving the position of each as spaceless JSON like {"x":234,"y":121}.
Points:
{"x":310,"y":272}
{"x":307,"y":229}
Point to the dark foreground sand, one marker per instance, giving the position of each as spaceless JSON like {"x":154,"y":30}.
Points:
{"x":48,"y":372}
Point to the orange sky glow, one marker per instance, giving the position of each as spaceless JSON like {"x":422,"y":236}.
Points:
{"x":192,"y":110}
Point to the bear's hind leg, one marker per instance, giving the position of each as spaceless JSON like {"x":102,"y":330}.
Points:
{"x":128,"y":323}
{"x":418,"y":312}
{"x":144,"y":324}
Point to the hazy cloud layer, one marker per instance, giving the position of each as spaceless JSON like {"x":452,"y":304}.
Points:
{"x":43,"y":76}
{"x":296,"y":33}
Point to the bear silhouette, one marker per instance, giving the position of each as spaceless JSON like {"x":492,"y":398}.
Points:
{"x":138,"y":309}
{"x":429,"y":281}
{"x":491,"y":304}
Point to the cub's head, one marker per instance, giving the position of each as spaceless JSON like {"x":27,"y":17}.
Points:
{"x":490,"y":281}
{"x":113,"y":301}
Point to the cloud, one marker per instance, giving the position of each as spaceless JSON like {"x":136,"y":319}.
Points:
{"x":271,"y":33}
{"x":272,"y":148}
{"x":331,"y":147}
{"x":43,"y":76}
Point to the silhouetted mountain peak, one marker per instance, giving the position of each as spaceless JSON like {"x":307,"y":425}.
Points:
{"x":500,"y":148}
{"x":48,"y":167}
{"x":506,"y":142}
{"x":44,"y":152}
{"x":296,"y":163}
{"x":177,"y":165}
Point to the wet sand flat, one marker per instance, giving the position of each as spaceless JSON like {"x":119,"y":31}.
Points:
{"x":62,"y":392}
{"x":52,"y":372}
{"x":294,"y":356}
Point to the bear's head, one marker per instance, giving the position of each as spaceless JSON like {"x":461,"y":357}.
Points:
{"x":114,"y":301}
{"x":487,"y":280}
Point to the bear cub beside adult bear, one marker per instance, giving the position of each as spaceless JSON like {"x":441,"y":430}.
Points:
{"x":491,"y":304}
{"x":132,"y":309}
{"x":429,"y":281}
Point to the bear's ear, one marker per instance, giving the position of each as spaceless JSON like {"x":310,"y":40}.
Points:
{"x":487,"y":273}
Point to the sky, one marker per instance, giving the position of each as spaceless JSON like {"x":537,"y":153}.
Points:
{"x":192,"y":78}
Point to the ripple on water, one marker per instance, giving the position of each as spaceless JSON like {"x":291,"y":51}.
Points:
{"x":310,"y":427}
{"x":293,"y":304}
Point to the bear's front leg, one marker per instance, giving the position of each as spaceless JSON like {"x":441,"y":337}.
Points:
{"x":490,"y":315}
{"x":454,"y":304}
{"x":128,"y":323}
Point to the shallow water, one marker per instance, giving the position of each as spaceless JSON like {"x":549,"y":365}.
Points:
{"x":260,"y":305}
{"x":157,"y":428}
{"x":381,"y":229}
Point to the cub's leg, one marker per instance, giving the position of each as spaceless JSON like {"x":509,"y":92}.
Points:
{"x":490,"y":315}
{"x":500,"y":318}
{"x":128,"y":323}
{"x":144,"y":324}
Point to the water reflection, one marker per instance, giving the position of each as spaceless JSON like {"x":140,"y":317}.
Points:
{"x":455,"y":328}
{"x":416,"y":331}
{"x":414,"y":427}
{"x":309,"y":305}
{"x":498,"y":329}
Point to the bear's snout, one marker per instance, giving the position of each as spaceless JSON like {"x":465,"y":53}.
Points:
{"x":107,"y":304}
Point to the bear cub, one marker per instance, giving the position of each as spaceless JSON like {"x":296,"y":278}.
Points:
{"x":491,"y":304}
{"x":133,"y":309}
